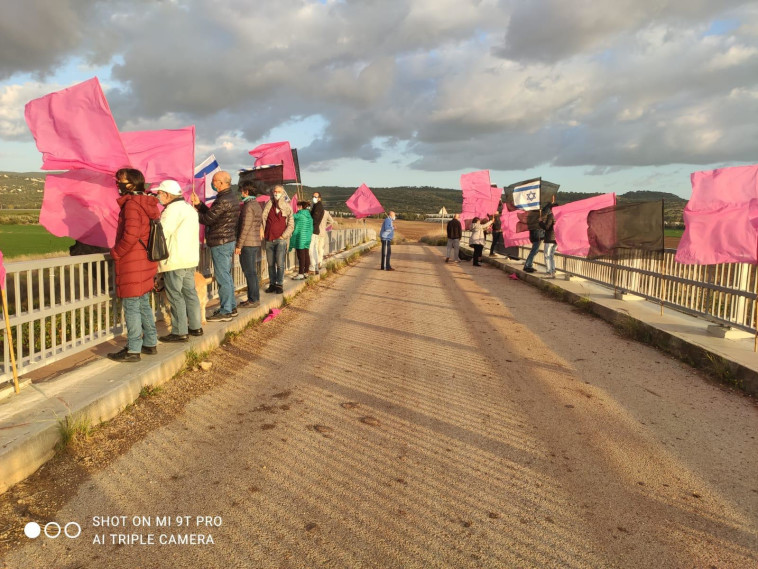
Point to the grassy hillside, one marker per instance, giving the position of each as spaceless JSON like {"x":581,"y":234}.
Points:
{"x":24,"y":191}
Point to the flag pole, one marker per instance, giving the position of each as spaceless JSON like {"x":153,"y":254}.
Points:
{"x":662,"y":271}
{"x":9,"y":337}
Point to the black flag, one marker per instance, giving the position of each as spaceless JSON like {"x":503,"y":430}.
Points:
{"x":629,"y":226}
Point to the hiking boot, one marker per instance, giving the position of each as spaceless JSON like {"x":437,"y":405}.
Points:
{"x":219,"y":316}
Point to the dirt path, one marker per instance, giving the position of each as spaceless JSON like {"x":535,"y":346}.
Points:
{"x":434,"y":416}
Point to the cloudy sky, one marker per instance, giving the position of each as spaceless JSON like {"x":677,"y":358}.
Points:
{"x":597,"y":96}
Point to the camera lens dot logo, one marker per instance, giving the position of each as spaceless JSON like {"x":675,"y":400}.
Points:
{"x":32,"y":530}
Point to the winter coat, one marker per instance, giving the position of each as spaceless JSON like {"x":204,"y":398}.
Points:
{"x":477,"y":233}
{"x":286,"y":210}
{"x":301,"y":237}
{"x":134,"y":273}
{"x":317,"y":213}
{"x":181,"y":229}
{"x":387,"y":232}
{"x":454,"y":229}
{"x":249,"y":225}
{"x":220,"y":219}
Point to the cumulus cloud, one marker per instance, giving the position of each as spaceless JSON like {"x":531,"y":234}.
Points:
{"x":499,"y":84}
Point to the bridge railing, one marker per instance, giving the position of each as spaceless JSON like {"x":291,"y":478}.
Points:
{"x":64,"y":305}
{"x":724,"y":294}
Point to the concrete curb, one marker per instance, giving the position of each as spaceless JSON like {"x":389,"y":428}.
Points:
{"x":101,"y":390}
{"x":719,"y":363}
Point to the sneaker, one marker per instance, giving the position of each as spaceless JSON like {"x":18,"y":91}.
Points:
{"x":447,"y":259}
{"x":219,"y":316}
{"x":458,"y":261}
{"x":175,"y":338}
{"x":150,"y":350}
{"x":279,"y":290}
{"x":529,"y":270}
{"x":271,"y":289}
{"x":124,"y":356}
{"x":299,"y":277}
{"x":198,"y":332}
{"x":234,"y":313}
{"x":255,"y":304}
{"x":389,"y":269}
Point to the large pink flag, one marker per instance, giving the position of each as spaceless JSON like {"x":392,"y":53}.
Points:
{"x":477,"y":195}
{"x":81,"y":204}
{"x":571,"y":224}
{"x":163,"y":154}
{"x":363,"y":203}
{"x":276,"y":153}
{"x":720,"y":218}
{"x":511,"y":235}
{"x":74,"y":128}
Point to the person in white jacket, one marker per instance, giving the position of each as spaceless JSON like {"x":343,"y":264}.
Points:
{"x":181,"y":229}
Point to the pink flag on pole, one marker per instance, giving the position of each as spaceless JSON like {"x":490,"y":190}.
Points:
{"x":276,"y":153}
{"x":571,"y":223}
{"x":721,"y":217}
{"x":2,"y":272}
{"x":74,"y":128}
{"x":81,"y":204}
{"x":511,"y":235}
{"x":477,"y":195}
{"x":363,"y":203}
{"x":163,"y":154}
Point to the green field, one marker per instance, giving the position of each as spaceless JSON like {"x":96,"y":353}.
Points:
{"x":17,"y":240}
{"x":673,"y":232}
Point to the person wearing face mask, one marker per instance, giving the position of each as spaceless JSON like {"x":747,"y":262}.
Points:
{"x":278,"y":225}
{"x":387,"y":234}
{"x":320,"y":220}
{"x":181,"y":229}
{"x":135,"y":273}
{"x":220,"y":222}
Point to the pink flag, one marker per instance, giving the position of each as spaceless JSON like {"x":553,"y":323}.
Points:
{"x":720,"y":218}
{"x":74,"y":128}
{"x":276,"y":153}
{"x":293,"y":204}
{"x":511,"y":235}
{"x":2,"y":272}
{"x":363,"y":203}
{"x":477,"y":195}
{"x":163,"y":154}
{"x":81,"y":204}
{"x":571,"y":223}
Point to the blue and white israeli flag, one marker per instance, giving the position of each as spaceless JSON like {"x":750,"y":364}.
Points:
{"x":206,"y":169}
{"x":526,"y":196}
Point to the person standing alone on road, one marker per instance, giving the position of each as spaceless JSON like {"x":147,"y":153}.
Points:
{"x":220,"y":221}
{"x":454,"y":233}
{"x":387,"y":234}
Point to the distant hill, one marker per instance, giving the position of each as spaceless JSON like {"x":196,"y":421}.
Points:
{"x":23,"y":190}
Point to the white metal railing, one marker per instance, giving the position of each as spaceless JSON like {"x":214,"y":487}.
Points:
{"x":724,"y":294}
{"x":60,"y":306}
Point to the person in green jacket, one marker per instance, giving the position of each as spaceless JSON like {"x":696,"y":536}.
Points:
{"x":301,"y":238}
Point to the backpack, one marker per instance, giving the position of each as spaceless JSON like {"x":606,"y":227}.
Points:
{"x":157,"y":249}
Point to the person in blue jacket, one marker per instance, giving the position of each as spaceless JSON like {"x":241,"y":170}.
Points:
{"x":386,"y":235}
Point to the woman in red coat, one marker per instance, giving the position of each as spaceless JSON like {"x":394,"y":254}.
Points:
{"x":135,"y":274}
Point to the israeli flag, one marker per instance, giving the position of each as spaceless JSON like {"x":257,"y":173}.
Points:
{"x":206,"y":169}
{"x":526,"y":196}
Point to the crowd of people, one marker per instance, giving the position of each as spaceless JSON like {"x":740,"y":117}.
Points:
{"x":543,"y":232}
{"x":230,"y":227}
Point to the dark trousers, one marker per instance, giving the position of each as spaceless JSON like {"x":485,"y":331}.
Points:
{"x":532,"y":254}
{"x":303,"y":259}
{"x":386,"y":252}
{"x":477,"y":253}
{"x":249,"y":262}
{"x":497,"y":237}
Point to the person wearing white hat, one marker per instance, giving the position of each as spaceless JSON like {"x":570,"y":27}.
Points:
{"x":181,"y":229}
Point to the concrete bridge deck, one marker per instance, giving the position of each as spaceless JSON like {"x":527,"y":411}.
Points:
{"x":434,"y":416}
